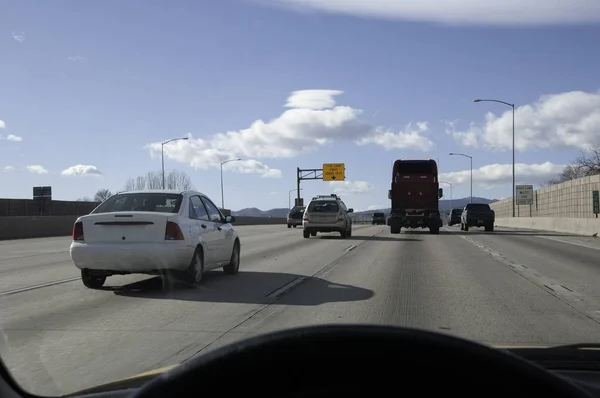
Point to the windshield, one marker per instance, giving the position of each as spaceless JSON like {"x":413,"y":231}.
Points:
{"x":157,"y":202}
{"x":147,"y":147}
{"x":323,"y":206}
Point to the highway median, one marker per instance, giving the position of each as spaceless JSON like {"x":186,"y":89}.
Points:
{"x":24,"y":227}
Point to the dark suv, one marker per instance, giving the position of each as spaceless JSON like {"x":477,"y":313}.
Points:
{"x":294,"y":217}
{"x":455,"y":217}
{"x":378,"y":219}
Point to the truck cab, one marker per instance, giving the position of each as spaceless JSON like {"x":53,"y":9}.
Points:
{"x":415,"y":195}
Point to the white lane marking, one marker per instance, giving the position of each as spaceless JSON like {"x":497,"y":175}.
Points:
{"x":350,"y":248}
{"x":555,"y":288}
{"x":287,"y":287}
{"x":569,"y":243}
{"x":34,"y":287}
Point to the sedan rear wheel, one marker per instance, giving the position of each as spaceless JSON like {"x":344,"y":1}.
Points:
{"x":195,"y":271}
{"x":92,"y":281}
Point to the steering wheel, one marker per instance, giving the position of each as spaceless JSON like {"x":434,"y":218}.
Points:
{"x":356,"y":359}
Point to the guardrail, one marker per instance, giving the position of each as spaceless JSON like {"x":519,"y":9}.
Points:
{"x":47,"y":226}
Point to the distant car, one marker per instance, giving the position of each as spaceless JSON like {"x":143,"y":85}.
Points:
{"x":179,"y":234}
{"x":327,"y":213}
{"x":295,"y":215}
{"x":378,"y":219}
{"x":455,"y":216}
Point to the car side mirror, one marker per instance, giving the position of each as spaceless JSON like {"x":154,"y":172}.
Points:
{"x":350,"y":210}
{"x":389,"y":194}
{"x":229,"y":219}
{"x":440,"y":193}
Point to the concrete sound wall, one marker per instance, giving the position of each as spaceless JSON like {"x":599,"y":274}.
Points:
{"x":40,"y":227}
{"x":571,"y":199}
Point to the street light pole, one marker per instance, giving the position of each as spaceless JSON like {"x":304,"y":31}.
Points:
{"x":162,"y":156}
{"x":222,"y":196}
{"x":290,"y":199}
{"x":471,"y":158}
{"x":513,"y":146}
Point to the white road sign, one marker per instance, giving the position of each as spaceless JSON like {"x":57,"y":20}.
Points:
{"x":524,"y":195}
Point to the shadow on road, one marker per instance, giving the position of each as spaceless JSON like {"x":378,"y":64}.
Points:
{"x":247,"y":288}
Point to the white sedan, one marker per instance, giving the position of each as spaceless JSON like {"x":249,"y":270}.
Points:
{"x":180,"y":234}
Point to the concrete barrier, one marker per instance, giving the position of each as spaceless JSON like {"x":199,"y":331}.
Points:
{"x":579,"y":226}
{"x":41,"y":227}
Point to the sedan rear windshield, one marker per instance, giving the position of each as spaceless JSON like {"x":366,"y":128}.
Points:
{"x":378,"y":215}
{"x":323,"y":207}
{"x":156,"y":202}
{"x":457,"y":211}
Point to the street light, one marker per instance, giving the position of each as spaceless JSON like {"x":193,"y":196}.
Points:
{"x":449,"y":183}
{"x":222,"y":163}
{"x":471,"y":158}
{"x":290,"y":199}
{"x":162,"y":156}
{"x":513,"y":144}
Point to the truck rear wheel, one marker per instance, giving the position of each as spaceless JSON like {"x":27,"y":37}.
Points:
{"x":489,"y":228}
{"x":395,"y":230}
{"x":434,"y":230}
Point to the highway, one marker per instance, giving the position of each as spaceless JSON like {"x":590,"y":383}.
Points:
{"x":509,"y":287}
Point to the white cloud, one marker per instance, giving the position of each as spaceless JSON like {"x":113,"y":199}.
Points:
{"x":81,"y":170}
{"x":36,"y":168}
{"x":350,"y":187}
{"x":19,"y":36}
{"x":8,"y":169}
{"x":500,"y":174}
{"x":411,"y":138}
{"x":570,"y":119}
{"x":15,"y":138}
{"x":314,"y":121}
{"x":312,"y":99}
{"x":253,"y":167}
{"x":2,"y":124}
{"x":460,"y":12}
{"x":76,"y":58}
{"x":374,"y":207}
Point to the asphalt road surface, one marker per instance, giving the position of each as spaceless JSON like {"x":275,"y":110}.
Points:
{"x":508,"y":287}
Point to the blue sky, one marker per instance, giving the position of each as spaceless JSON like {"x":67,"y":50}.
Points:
{"x":90,"y":89}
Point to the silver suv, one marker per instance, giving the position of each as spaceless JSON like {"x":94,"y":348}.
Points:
{"x":327,"y":213}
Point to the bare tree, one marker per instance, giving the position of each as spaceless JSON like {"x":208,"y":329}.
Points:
{"x":587,"y":164}
{"x":589,"y":161}
{"x":178,"y":180}
{"x":102,"y":195}
{"x":140,"y":183}
{"x":130,"y":185}
{"x":153,"y":180}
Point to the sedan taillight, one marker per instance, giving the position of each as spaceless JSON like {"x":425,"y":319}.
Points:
{"x":77,"y":231}
{"x":173,"y":232}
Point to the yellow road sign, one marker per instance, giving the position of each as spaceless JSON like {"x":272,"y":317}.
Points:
{"x":334,"y":172}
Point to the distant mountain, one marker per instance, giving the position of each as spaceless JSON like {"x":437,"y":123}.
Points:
{"x":282,"y":212}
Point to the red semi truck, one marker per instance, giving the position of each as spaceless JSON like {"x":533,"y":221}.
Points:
{"x":415,"y":196}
